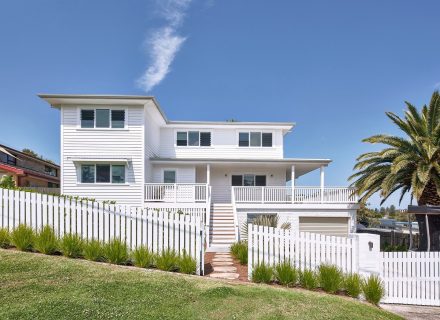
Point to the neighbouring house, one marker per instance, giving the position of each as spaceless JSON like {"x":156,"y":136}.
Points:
{"x":27,"y":170}
{"x":124,"y":148}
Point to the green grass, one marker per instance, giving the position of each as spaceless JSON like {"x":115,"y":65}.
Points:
{"x":36,"y":286}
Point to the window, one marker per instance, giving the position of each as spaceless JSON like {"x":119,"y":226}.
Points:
{"x":102,"y":173}
{"x":249,"y":180}
{"x":87,"y":173}
{"x":252,"y":216}
{"x":50,"y":171}
{"x":243,"y":139}
{"x":193,"y":139}
{"x":53,"y":185}
{"x":87,"y":118}
{"x":169,"y":176}
{"x":118,"y":174}
{"x":11,"y":160}
{"x":105,"y":118}
{"x":255,"y":139}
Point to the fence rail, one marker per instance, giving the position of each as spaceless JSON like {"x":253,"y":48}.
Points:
{"x":304,"y":250}
{"x":158,"y":230}
{"x":176,"y":192}
{"x":275,"y":194}
{"x":411,"y":277}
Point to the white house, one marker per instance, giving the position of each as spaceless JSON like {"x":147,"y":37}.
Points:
{"x":123,"y":148}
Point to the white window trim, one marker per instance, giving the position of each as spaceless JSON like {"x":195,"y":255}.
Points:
{"x":111,"y":183}
{"x":187,"y":140}
{"x":250,"y":174}
{"x":249,"y":134}
{"x":79,"y":128}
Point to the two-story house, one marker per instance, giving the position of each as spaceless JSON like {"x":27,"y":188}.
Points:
{"x":27,"y":170}
{"x":124,"y":148}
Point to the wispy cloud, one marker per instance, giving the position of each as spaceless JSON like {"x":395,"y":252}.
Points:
{"x":163,"y":44}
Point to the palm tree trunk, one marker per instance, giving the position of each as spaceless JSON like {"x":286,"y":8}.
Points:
{"x":429,"y":197}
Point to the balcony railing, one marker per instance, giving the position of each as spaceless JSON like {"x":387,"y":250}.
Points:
{"x":294,"y":195}
{"x":176,"y":192}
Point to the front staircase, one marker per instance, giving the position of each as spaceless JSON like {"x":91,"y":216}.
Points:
{"x":222,"y":229}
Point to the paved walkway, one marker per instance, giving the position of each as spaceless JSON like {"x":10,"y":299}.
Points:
{"x":223,"y":266}
{"x":413,"y":312}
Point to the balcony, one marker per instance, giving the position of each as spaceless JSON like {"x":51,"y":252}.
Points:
{"x":296,"y":195}
{"x":177,"y":192}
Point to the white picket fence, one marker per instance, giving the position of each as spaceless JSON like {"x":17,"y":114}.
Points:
{"x":304,"y":250}
{"x":411,"y":277}
{"x":158,"y":230}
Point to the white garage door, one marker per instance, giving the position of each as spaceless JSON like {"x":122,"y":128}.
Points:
{"x":333,"y":226}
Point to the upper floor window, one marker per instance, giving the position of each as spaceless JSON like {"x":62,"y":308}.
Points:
{"x":50,"y":171}
{"x":255,"y":139}
{"x":102,"y":173}
{"x":193,"y":139}
{"x":102,"y":118}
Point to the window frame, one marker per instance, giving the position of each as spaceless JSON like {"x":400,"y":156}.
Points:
{"x":94,"y":109}
{"x":249,"y":174}
{"x":170,"y":170}
{"x":187,"y":131}
{"x":261,"y":132}
{"x":95,"y":174}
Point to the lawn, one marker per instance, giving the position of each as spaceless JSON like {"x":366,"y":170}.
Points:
{"x":34,"y":286}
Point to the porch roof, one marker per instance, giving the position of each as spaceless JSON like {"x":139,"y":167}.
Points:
{"x":302,"y":166}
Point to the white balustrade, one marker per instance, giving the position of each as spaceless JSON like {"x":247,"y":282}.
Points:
{"x":176,"y":192}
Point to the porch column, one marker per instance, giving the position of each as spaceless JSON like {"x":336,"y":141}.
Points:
{"x":208,"y":174}
{"x":322,"y":183}
{"x":292,"y":179}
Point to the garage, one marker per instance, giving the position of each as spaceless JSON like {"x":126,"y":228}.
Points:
{"x":332,"y":226}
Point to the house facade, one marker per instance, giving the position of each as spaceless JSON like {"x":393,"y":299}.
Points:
{"x":123,"y":148}
{"x":28,"y":171}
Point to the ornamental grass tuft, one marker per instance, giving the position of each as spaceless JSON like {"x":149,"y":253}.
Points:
{"x":352,"y":285}
{"x":116,"y":252}
{"x":187,"y":264}
{"x":94,"y":251}
{"x":167,"y":260}
{"x":373,"y":289}
{"x":71,"y":245}
{"x":46,"y":241}
{"x":308,"y":279}
{"x":330,"y":278}
{"x":23,"y":238}
{"x":286,"y":274}
{"x":262,"y":273}
{"x":143,"y":257}
{"x":5,"y":238}
{"x":239,"y":250}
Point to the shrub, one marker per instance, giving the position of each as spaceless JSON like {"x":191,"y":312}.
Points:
{"x":71,"y":246}
{"x":240,"y":251}
{"x":23,"y":238}
{"x":262,"y":273}
{"x":308,"y":279}
{"x":116,"y":252}
{"x":187,"y":264}
{"x":5,"y":238}
{"x":330,"y":278}
{"x":352,"y":284}
{"x":373,"y":289}
{"x":286,"y":274}
{"x":167,"y":260}
{"x":46,"y":241}
{"x":143,"y":258}
{"x":93,"y":250}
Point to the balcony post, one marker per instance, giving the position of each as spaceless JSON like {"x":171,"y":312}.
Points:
{"x":292,"y":178}
{"x":322,"y":183}
{"x":175,"y":193}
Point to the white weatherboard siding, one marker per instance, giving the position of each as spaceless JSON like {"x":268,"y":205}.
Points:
{"x":184,"y":174}
{"x":224,"y":145}
{"x":78,"y":143}
{"x":152,"y":137}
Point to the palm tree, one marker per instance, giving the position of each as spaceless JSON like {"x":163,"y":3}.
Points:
{"x":410,"y":164}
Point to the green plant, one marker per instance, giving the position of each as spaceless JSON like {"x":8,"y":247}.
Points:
{"x":308,"y":279}
{"x":167,"y":260}
{"x":5,"y":238}
{"x":23,"y":238}
{"x":352,"y":285}
{"x":7,"y":182}
{"x":286,"y":274}
{"x":71,"y":245}
{"x":267,"y":220}
{"x":240,"y":251}
{"x":262,"y":273}
{"x":187,"y":264}
{"x":93,"y":250}
{"x":330,"y":278}
{"x":373,"y":289}
{"x":46,"y":241}
{"x":143,"y":257}
{"x":116,"y":252}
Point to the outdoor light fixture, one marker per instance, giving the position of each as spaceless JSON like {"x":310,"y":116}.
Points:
{"x":370,"y":245}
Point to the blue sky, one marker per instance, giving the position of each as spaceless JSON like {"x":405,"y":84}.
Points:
{"x":333,"y":67}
